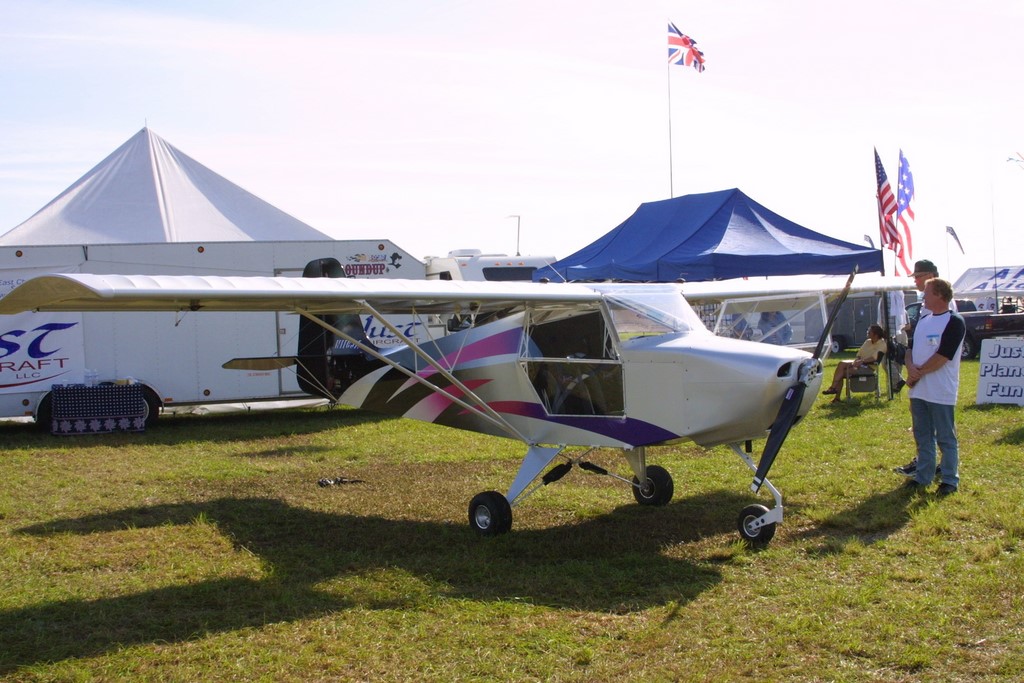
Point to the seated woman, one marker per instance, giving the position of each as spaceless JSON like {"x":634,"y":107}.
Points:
{"x":867,"y":354}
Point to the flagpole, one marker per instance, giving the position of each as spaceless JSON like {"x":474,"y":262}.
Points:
{"x":949,"y":273}
{"x":888,"y":234}
{"x":668,"y":85}
{"x":682,"y":49}
{"x":881,"y":237}
{"x":881,"y":242}
{"x":992,"y":214}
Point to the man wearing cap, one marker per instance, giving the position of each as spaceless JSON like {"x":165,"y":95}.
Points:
{"x":924,"y":270}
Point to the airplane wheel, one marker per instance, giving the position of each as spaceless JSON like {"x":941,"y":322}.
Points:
{"x":759,"y":536}
{"x":490,"y":514}
{"x":657,"y":490}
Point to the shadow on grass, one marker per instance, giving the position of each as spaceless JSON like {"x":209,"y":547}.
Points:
{"x":1014,"y":436}
{"x":217,"y":428}
{"x":874,"y":519}
{"x":859,"y":404}
{"x":613,"y":563}
{"x":1014,"y":432}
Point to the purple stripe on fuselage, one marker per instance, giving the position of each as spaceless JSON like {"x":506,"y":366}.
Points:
{"x":625,"y":429}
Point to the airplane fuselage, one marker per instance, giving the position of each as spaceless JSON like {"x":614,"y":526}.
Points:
{"x":574,"y":377}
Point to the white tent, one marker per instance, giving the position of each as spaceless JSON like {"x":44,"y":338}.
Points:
{"x":990,"y":281}
{"x":148,"y":191}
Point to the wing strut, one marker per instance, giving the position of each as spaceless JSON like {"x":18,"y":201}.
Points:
{"x":479,"y":407}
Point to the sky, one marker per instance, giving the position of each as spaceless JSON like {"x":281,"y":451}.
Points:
{"x":437,"y":124}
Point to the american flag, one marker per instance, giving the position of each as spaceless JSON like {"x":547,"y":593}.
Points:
{"x":682,"y":49}
{"x":904,"y":206}
{"x":890,"y":236}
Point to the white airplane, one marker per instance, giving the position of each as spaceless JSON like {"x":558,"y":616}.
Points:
{"x":624,"y":366}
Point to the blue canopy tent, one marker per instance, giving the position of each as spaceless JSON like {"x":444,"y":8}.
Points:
{"x":710,"y":236}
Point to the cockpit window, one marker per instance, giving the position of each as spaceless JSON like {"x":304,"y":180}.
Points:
{"x":584,"y":335}
{"x":570,"y":358}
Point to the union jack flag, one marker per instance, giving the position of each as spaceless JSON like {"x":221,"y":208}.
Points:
{"x":682,"y":49}
{"x":904,"y":205}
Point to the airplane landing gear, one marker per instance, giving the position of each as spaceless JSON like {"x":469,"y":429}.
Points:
{"x":490,"y":514}
{"x":658,"y":488}
{"x":754,"y":527}
{"x":757,"y":523}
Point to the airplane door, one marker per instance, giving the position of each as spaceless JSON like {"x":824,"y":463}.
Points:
{"x":573,"y":367}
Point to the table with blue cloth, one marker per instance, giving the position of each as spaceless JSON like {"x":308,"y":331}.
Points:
{"x":84,"y":409}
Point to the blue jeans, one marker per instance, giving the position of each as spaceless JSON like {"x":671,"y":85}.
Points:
{"x":933,"y":424}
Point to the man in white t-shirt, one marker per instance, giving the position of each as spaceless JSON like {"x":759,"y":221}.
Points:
{"x":924,"y":270}
{"x":933,"y":375}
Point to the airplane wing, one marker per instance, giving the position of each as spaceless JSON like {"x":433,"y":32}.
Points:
{"x":90,"y":292}
{"x":718,"y":290}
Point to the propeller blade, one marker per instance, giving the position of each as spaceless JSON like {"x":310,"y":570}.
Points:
{"x":834,"y":313}
{"x":790,"y":408}
{"x":779,"y":431}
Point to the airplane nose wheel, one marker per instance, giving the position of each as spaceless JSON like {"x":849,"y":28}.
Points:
{"x":490,"y":514}
{"x":658,"y":488}
{"x":750,"y":530}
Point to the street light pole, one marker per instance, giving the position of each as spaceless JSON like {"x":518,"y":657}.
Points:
{"x":517,"y":217}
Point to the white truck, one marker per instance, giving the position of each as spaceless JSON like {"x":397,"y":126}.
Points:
{"x":176,"y":357}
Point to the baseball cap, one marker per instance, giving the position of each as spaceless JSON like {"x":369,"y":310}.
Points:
{"x":924,"y":266}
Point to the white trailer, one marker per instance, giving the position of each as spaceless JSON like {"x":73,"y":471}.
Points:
{"x":177,"y":357}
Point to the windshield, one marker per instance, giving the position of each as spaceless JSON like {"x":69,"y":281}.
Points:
{"x":650,"y":309}
{"x":789,"y":320}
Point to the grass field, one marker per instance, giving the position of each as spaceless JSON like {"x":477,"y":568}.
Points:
{"x":205,"y":550}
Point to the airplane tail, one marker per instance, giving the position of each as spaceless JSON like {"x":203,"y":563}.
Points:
{"x":324,"y":364}
{"x":315,"y":342}
{"x":329,"y":364}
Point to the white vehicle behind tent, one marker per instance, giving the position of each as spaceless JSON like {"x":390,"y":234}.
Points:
{"x":177,"y":357}
{"x":471,"y":264}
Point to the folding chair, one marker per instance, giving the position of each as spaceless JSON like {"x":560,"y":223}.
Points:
{"x":864,"y":379}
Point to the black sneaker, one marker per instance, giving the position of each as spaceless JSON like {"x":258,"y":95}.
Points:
{"x":946,"y":489}
{"x":908,"y":470}
{"x":913,"y":485}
